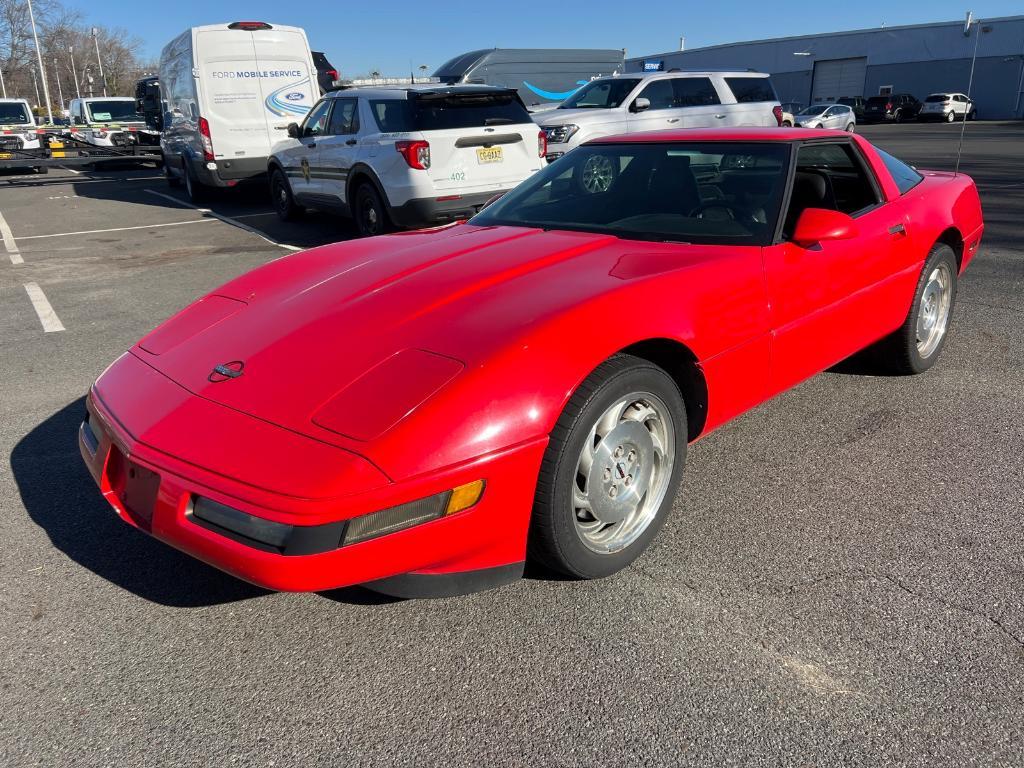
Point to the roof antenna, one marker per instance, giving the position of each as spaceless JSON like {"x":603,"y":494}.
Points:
{"x":970,"y":84}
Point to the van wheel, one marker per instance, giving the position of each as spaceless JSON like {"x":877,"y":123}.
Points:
{"x":371,"y":216}
{"x":281,"y":195}
{"x":196,"y":191}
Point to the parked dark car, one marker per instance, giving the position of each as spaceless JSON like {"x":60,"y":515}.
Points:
{"x":326,"y":74}
{"x":894,"y":108}
{"x":856,"y":103}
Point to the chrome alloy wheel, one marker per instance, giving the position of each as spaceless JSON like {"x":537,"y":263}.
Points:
{"x":933,"y":313}
{"x":598,"y":174}
{"x":623,"y":472}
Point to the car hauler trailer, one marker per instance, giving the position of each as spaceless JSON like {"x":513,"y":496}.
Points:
{"x":59,"y":146}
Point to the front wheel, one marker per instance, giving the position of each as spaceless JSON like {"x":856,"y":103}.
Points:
{"x":281,"y":195}
{"x":916,"y":346}
{"x":611,"y":470}
{"x":786,"y":124}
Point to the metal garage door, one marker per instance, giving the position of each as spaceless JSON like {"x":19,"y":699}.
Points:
{"x":836,"y":78}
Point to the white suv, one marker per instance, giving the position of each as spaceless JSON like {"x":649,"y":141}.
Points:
{"x":407,"y":156}
{"x":661,"y":101}
{"x":948,"y":107}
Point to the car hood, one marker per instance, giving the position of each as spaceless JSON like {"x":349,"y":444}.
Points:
{"x":577,"y":117}
{"x":294,"y":333}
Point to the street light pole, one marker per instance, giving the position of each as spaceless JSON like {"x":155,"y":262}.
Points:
{"x":3,"y":85}
{"x":99,"y":61}
{"x":74,"y":71}
{"x":35,"y":82}
{"x":56,"y":74}
{"x":39,"y":56}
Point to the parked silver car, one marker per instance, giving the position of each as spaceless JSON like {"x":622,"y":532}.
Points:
{"x":838,"y":116}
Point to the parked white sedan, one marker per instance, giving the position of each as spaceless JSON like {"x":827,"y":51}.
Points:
{"x":838,"y":116}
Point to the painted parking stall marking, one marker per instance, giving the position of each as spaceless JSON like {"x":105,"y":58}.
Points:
{"x":9,"y":243}
{"x":47,"y":316}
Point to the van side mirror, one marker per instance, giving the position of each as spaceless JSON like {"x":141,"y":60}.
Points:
{"x":640,"y":104}
{"x":293,"y":130}
{"x":817,"y":225}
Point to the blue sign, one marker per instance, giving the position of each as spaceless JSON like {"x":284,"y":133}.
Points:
{"x":653,"y":66}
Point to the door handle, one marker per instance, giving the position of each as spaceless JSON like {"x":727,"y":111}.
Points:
{"x":720,"y":117}
{"x":673,"y":119}
{"x":898,"y":230}
{"x":350,"y":142}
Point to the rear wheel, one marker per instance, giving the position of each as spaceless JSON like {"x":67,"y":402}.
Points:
{"x":898,"y":116}
{"x":916,"y":346}
{"x":950,"y":117}
{"x":197,"y":193}
{"x":786,"y":124}
{"x":850,"y":127}
{"x":41,"y":169}
{"x":370,"y":214}
{"x":281,"y":194}
{"x":172,"y":180}
{"x":611,"y":470}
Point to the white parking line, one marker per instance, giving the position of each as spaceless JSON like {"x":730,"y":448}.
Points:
{"x":51,"y":323}
{"x":118,"y":229}
{"x":225,"y":219}
{"x":9,"y":242}
{"x":70,"y":170}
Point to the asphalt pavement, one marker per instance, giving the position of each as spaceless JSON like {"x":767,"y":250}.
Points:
{"x":839,"y":582}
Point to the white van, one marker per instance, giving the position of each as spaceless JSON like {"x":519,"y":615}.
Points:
{"x":17,"y":130}
{"x":106,"y":121}
{"x":229,"y":92}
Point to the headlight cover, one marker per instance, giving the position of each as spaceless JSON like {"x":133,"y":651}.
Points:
{"x":559,"y":134}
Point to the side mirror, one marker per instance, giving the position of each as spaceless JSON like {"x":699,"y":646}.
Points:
{"x":293,"y":130}
{"x":817,"y":225}
{"x":640,"y":104}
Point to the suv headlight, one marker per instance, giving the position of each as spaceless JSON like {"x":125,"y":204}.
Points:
{"x":559,"y":134}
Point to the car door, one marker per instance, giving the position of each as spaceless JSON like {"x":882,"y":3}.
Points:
{"x":662,"y":114}
{"x":301,"y":156}
{"x":338,"y":149}
{"x":833,"y":298}
{"x":701,"y":105}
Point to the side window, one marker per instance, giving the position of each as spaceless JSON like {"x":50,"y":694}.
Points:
{"x":694,"y":92}
{"x":829,"y":176}
{"x":392,"y":115}
{"x":315,"y":123}
{"x":344,"y":118}
{"x":660,"y":93}
{"x":906,"y":178}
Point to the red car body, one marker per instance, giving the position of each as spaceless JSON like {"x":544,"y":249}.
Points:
{"x":385,"y":370}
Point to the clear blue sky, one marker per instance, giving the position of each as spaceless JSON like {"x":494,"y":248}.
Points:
{"x":360,"y":37}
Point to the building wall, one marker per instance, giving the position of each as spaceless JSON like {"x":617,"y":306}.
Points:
{"x":918,"y":60}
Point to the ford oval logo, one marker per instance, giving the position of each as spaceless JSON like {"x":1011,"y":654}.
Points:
{"x":295,"y":96}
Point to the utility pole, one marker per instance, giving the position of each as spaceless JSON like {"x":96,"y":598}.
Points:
{"x":39,"y":57}
{"x":35,"y":82}
{"x":3,"y":86}
{"x":74,"y":71}
{"x":99,"y":61}
{"x":60,"y":90}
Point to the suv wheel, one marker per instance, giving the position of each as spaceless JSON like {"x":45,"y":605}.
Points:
{"x":950,"y":116}
{"x":281,"y":195}
{"x":898,"y":116}
{"x":370,"y":214}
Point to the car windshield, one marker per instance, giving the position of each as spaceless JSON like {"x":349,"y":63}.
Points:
{"x":814,"y":109}
{"x":937,"y":98}
{"x":601,"y":94}
{"x":111,"y":111}
{"x":14,"y":113}
{"x":712,"y":193}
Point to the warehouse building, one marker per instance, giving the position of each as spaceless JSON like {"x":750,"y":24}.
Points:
{"x":918,"y":59}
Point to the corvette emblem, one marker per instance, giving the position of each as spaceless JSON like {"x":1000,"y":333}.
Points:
{"x":226,"y":371}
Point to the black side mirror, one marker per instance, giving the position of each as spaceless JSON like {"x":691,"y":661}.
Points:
{"x":293,"y":130}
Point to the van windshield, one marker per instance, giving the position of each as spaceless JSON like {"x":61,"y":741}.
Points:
{"x":11,"y":114}
{"x":601,"y":94}
{"x":112,"y":111}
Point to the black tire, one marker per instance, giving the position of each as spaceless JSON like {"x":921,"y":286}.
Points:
{"x":555,"y":541}
{"x":281,"y":197}
{"x":197,"y":193}
{"x":850,"y":127}
{"x":371,"y":216}
{"x":786,"y":124}
{"x":951,"y":117}
{"x":819,"y":126}
{"x":898,"y":116}
{"x":42,"y":170}
{"x":899,"y":353}
{"x":172,"y":180}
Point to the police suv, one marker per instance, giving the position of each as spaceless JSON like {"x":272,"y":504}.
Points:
{"x":406,"y":155}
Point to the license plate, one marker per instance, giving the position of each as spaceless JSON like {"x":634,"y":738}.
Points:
{"x":486,"y":155}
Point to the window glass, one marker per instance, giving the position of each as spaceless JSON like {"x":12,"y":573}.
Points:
{"x":694,"y":91}
{"x":906,"y":178}
{"x":829,"y":176}
{"x":440,"y":111}
{"x":315,"y":123}
{"x":748,"y":89}
{"x":13,"y":112}
{"x":713,"y":193}
{"x":344,"y":117}
{"x":392,"y":115}
{"x":660,"y":93}
{"x":601,"y":94}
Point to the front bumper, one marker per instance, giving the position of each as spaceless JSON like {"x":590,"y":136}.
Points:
{"x":155,"y":491}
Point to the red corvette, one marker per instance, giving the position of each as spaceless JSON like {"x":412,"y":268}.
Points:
{"x":423,"y":412}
